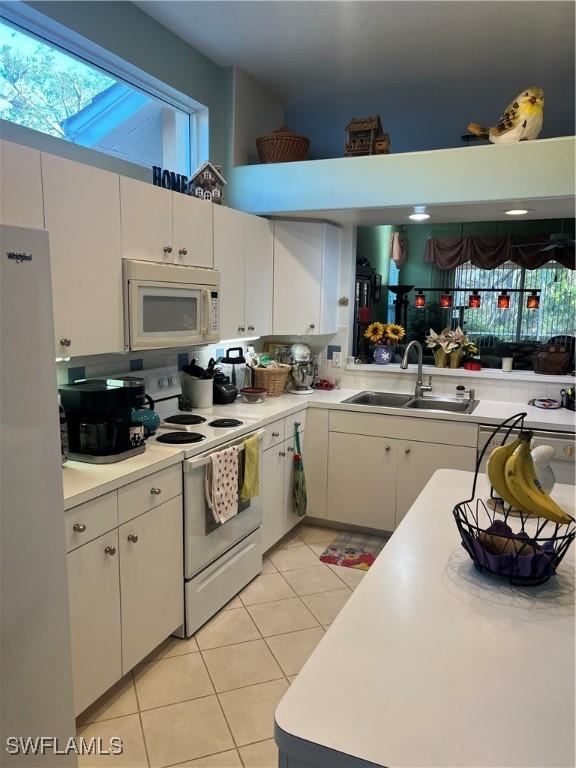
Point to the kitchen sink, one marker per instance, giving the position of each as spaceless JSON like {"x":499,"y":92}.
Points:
{"x":442,"y":404}
{"x":396,"y":400}
{"x":383,"y":399}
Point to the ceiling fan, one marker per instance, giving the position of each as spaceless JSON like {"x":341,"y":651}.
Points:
{"x":563,"y":240}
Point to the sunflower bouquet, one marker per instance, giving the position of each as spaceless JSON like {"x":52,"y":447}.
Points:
{"x":384,"y":333}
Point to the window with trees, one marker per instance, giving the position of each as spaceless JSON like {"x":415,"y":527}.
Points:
{"x":52,"y":91}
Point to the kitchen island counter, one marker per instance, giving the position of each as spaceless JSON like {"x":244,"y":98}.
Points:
{"x":431,"y":663}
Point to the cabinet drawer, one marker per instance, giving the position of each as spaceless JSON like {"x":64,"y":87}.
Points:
{"x":296,"y":418}
{"x":217,"y":584}
{"x":431,"y":430}
{"x":145,"y":494}
{"x":274,"y":435}
{"x":89,"y":520}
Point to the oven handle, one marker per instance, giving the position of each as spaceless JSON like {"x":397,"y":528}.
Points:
{"x":191,"y":464}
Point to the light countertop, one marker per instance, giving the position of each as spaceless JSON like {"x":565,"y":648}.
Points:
{"x":431,"y":663}
{"x":83,"y":482}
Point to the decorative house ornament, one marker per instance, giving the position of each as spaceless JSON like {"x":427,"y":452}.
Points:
{"x":207,"y":183}
{"x":282,"y":146}
{"x":521,"y":121}
{"x":366,"y":137}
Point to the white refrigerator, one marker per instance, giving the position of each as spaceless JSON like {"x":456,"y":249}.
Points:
{"x":35,"y":663}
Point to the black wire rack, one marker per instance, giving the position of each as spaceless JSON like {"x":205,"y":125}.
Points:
{"x":524,"y":549}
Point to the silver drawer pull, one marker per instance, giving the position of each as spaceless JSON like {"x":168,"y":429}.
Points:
{"x":183,"y":252}
{"x":110,"y":551}
{"x":282,"y":453}
{"x":65,"y":342}
{"x":406,"y":451}
{"x":290,"y":449}
{"x":133,"y":538}
{"x":387,"y":448}
{"x":275,"y":434}
{"x":297,"y":423}
{"x":79,"y":527}
{"x":155,"y":491}
{"x":167,"y":249}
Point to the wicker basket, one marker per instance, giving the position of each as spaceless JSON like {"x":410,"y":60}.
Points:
{"x":273,"y":380}
{"x":553,"y":359}
{"x":282,"y":146}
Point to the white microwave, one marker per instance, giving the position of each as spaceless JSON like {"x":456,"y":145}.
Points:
{"x":169,"y":305}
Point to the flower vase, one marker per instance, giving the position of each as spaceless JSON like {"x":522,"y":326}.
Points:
{"x":455,"y":358}
{"x":440,"y":358}
{"x":383,"y":354}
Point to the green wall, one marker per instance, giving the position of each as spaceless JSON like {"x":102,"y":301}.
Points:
{"x":373,"y":243}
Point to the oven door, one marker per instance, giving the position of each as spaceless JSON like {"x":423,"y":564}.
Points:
{"x":204,"y":540}
{"x":168,"y":314}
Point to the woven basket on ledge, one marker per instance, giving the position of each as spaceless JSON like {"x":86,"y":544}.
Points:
{"x":273,"y":380}
{"x":282,"y":146}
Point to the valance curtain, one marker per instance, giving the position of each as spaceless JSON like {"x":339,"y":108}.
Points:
{"x":492,"y":251}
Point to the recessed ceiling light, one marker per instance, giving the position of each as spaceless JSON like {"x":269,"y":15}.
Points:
{"x":419,"y":213}
{"x":517,"y":212}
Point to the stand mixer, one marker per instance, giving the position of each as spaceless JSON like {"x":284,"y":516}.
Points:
{"x":302,"y":373}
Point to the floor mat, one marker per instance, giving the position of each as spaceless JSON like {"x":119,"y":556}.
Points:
{"x":353,"y":550}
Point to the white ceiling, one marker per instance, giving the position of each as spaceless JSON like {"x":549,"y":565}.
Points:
{"x":299,"y":48}
{"x":551,"y":208}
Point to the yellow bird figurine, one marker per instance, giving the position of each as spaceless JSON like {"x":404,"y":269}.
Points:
{"x":521,"y":121}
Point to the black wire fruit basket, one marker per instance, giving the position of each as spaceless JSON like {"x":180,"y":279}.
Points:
{"x":524,"y":549}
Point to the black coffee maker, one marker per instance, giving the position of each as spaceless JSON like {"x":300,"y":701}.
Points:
{"x":99,"y":413}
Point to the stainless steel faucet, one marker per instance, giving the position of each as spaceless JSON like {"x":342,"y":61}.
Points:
{"x":420,"y":387}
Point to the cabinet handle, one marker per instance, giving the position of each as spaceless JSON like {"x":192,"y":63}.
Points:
{"x":241,"y":329}
{"x":297,"y":423}
{"x":79,"y":527}
{"x":282,"y":453}
{"x":251,"y":328}
{"x":110,"y":551}
{"x":312,"y":326}
{"x":133,"y":538}
{"x":387,"y":448}
{"x":155,"y":491}
{"x":275,"y":434}
{"x":65,"y":342}
{"x":290,"y":449}
{"x":183,"y":251}
{"x":167,"y":249}
{"x":406,"y":451}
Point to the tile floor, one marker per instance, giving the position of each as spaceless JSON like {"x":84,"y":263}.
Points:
{"x":209,"y":701}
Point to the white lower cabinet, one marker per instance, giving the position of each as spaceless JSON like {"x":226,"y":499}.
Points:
{"x":151,"y":580}
{"x":417,"y":462}
{"x":94,"y":598}
{"x":125,"y":587}
{"x":278,"y":512}
{"x":373,"y":474}
{"x":362,"y":480}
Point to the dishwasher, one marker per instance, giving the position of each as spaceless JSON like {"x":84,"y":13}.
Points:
{"x":563,"y":443}
{"x":219,"y":559}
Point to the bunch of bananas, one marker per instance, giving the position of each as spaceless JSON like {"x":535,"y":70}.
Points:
{"x":511,"y":472}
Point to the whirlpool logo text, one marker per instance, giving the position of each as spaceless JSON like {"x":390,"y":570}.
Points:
{"x":18,"y":256}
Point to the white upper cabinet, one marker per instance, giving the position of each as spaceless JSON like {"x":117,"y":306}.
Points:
{"x":160,"y":225}
{"x":229,"y":259}
{"x":82,"y":211}
{"x":192,"y":231}
{"x":306,"y":276}
{"x":243,"y":254}
{"x":21,"y":202}
{"x":259,"y":269}
{"x":146,"y":221}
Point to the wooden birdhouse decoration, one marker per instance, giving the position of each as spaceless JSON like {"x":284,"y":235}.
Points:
{"x":207,"y":183}
{"x":365,"y":137}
